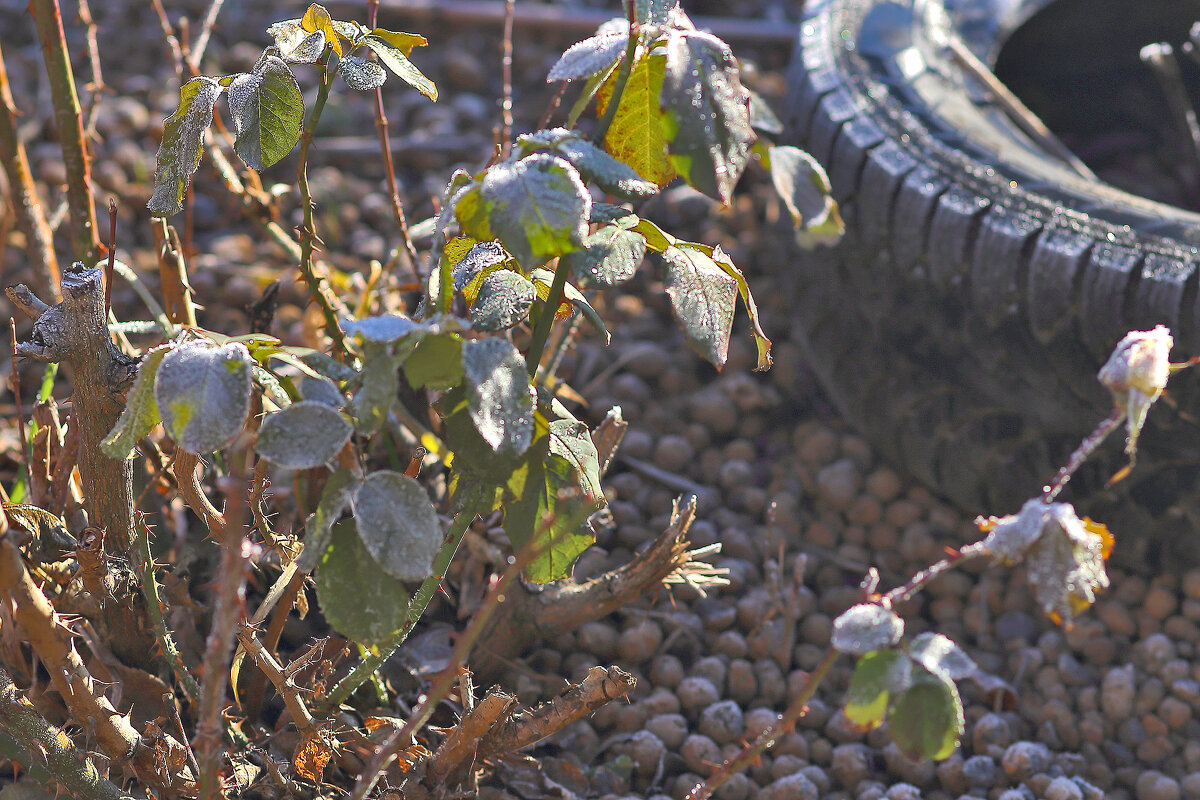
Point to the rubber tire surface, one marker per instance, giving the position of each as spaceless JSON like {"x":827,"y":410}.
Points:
{"x":961,"y":321}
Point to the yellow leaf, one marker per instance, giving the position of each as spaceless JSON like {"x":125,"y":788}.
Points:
{"x":316,"y":18}
{"x":636,"y":135}
{"x":312,"y":754}
{"x":404,"y":42}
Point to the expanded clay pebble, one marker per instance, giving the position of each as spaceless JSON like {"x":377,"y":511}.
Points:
{"x":791,"y":787}
{"x":1153,"y":785}
{"x":1023,"y":760}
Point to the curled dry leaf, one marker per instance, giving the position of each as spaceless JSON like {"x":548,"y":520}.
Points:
{"x":1136,"y":373}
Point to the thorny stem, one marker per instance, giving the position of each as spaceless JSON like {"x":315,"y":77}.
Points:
{"x":795,"y":710}
{"x":154,"y":610}
{"x":320,"y":292}
{"x":506,"y":98}
{"x":69,"y":119}
{"x":1085,"y":449}
{"x":416,"y":608}
{"x":541,"y":331}
{"x":917,"y":582}
{"x":381,"y":124}
{"x":610,"y":111}
{"x":31,"y":217}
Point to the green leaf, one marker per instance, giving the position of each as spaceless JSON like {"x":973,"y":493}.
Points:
{"x":571,"y":441}
{"x":383,"y":329}
{"x":865,"y":628}
{"x":398,"y":524}
{"x":871,"y":688}
{"x":636,"y":135}
{"x":707,"y":113}
{"x":320,"y":389}
{"x":203,"y":394}
{"x":479,"y":261}
{"x":654,"y":12}
{"x":335,"y":500}
{"x":324,"y":363}
{"x":538,"y":207}
{"x":603,"y":213}
{"x":613,"y":176}
{"x":436,"y":362}
{"x":552,"y":505}
{"x":471,"y":210}
{"x":141,"y":411}
{"x":377,"y":394}
{"x":594,"y":55}
{"x":183,"y":138}
{"x":927,"y":719}
{"x":359,"y":599}
{"x":803,"y":187}
{"x":395,"y":59}
{"x":703,"y":298}
{"x":316,"y":18}
{"x":941,"y":656}
{"x":271,"y":385}
{"x":503,"y":300}
{"x":267,"y":111}
{"x":572,"y":299}
{"x":657,"y":239}
{"x":499,"y":396}
{"x":760,"y":337}
{"x":303,"y":435}
{"x":475,"y":464}
{"x":360,"y":74}
{"x":612,"y":256}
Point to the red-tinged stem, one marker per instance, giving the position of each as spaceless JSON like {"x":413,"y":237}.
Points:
{"x":1085,"y":449}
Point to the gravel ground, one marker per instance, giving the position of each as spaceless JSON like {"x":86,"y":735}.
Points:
{"x":1102,"y":710}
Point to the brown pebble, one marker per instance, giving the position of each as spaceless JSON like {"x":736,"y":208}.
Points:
{"x":1159,"y":603}
{"x":902,"y":513}
{"x":883,"y":484}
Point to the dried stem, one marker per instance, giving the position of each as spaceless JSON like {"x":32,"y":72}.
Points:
{"x":506,"y":99}
{"x":76,"y":774}
{"x":919,"y":581}
{"x":1085,"y":449}
{"x":282,"y":681}
{"x":14,"y":385}
{"x":184,"y":470}
{"x":69,"y":120}
{"x":321,"y":294}
{"x":750,"y":753}
{"x":461,"y":743}
{"x":172,"y":274}
{"x":31,"y":217}
{"x":96,"y":85}
{"x":52,"y":643}
{"x":206,"y":27}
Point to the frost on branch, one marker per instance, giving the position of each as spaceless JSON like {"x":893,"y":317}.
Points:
{"x":1136,"y":373}
{"x":1065,"y":554}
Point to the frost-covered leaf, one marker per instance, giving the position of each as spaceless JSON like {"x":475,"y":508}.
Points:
{"x":324,"y":364}
{"x":183,"y":138}
{"x":361,"y":74}
{"x":636,"y":135}
{"x":613,"y":176}
{"x":803,"y":186}
{"x":1136,"y":374}
{"x":271,"y":386}
{"x":594,"y":55}
{"x":703,"y":297}
{"x":499,"y":395}
{"x":706,"y":113}
{"x":359,"y":599}
{"x":762,"y":118}
{"x":436,"y":362}
{"x":571,"y":440}
{"x":927,"y":719}
{"x":604,"y":213}
{"x":761,"y":342}
{"x":303,"y":435}
{"x":941,"y":656}
{"x":377,"y":394}
{"x":612,"y":256}
{"x":398,"y":524}
{"x":203,"y":394}
{"x":141,"y":411}
{"x":572,"y":299}
{"x":503,"y":300}
{"x":654,"y":12}
{"x":478,"y":261}
{"x":871,"y":689}
{"x":320,"y":389}
{"x":335,"y":500}
{"x":395,"y":59}
{"x":384,"y":329}
{"x":297,"y":45}
{"x":866,"y":627}
{"x":537,"y":207}
{"x":267,"y":111}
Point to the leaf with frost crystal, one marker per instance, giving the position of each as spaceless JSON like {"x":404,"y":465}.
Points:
{"x":499,"y":396}
{"x":398,"y":524}
{"x":203,"y":394}
{"x":296,"y":44}
{"x":866,"y":627}
{"x":503,"y":300}
{"x":703,"y":298}
{"x":654,"y":12}
{"x":537,"y":207}
{"x":335,"y":500}
{"x":941,"y":656}
{"x":636,"y":135}
{"x":303,"y":435}
{"x":803,"y":186}
{"x":593,"y":56}
{"x":871,"y":688}
{"x":927,"y":719}
{"x":397,"y":61}
{"x":572,"y":298}
{"x":267,"y":111}
{"x":377,"y":393}
{"x":358,"y":598}
{"x":183,"y":137}
{"x":480,"y":260}
{"x":360,"y":74}
{"x":316,"y":18}
{"x":382,"y":329}
{"x":319,"y":389}
{"x":436,"y":362}
{"x":761,"y":342}
{"x":613,"y":176}
{"x":706,"y":113}
{"x":612,"y":256}
{"x":141,"y":411}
